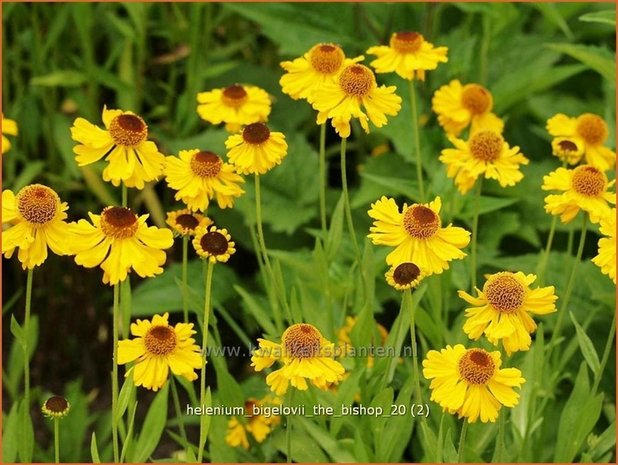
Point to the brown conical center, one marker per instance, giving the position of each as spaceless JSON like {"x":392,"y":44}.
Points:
{"x":486,"y":145}
{"x":301,"y":341}
{"x":406,"y":41}
{"x":187,"y":221}
{"x":589,"y":181}
{"x":476,"y":99}
{"x":160,"y":340}
{"x":56,"y":404}
{"x":476,"y":366}
{"x":421,"y":222}
{"x":256,"y":133}
{"x":592,"y":128}
{"x":118,"y":222}
{"x":357,"y":80}
{"x":406,"y":273}
{"x":128,"y":130}
{"x":214,"y":243}
{"x":206,"y":164}
{"x":504,"y":292}
{"x":326,"y":58}
{"x":234,"y":95}
{"x":567,"y":146}
{"x":37,"y":204}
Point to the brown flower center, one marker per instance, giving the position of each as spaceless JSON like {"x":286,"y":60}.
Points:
{"x":249,"y":407}
{"x":301,"y":341}
{"x":326,"y":58}
{"x":234,"y":95}
{"x":56,"y":404}
{"x":421,"y":222}
{"x":476,"y":366}
{"x":160,"y":340}
{"x":567,"y":146}
{"x":476,"y":99}
{"x":118,"y":222}
{"x":486,"y":145}
{"x":187,"y":221}
{"x":357,"y":80}
{"x":37,"y":204}
{"x":406,"y":273}
{"x":128,"y":130}
{"x":214,"y":243}
{"x":206,"y":164}
{"x":588,"y":180}
{"x":504,"y":292}
{"x":592,"y":128}
{"x":256,"y":133}
{"x":406,"y":41}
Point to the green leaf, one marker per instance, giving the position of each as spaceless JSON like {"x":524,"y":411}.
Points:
{"x":604,"y":17}
{"x":599,"y":59}
{"x":94,"y":450}
{"x":28,"y":174}
{"x":486,"y":204}
{"x":586,"y":346}
{"x":126,"y":392}
{"x":25,"y":433}
{"x":62,"y":78}
{"x":325,"y":440}
{"x":18,"y":332}
{"x":153,"y":427}
{"x":335,"y":233}
{"x":255,"y":309}
{"x":9,"y":435}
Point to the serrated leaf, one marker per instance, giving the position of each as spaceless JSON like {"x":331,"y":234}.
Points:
{"x":586,"y":346}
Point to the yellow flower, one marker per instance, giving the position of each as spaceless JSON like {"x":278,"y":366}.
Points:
{"x":235,"y":105}
{"x":404,"y":276}
{"x":501,"y":309}
{"x":307,"y":74}
{"x":35,"y":219}
{"x":587,"y":130}
{"x":416,"y":234}
{"x":257,"y":149}
{"x":407,"y":54}
{"x":305,"y":354}
{"x":584,"y":187}
{"x":9,"y":127}
{"x":200,"y":176}
{"x":185,"y":222}
{"x":133,"y":159}
{"x":56,"y":407}
{"x":485,"y":153}
{"x":158,"y":348}
{"x":355,"y":90}
{"x":258,"y":425}
{"x":213,"y":244}
{"x":471,"y":383}
{"x":567,"y":149}
{"x":606,"y":259}
{"x":119,"y":240}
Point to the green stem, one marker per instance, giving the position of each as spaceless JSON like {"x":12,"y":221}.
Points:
{"x":462,"y":441}
{"x":26,"y":339}
{"x":115,"y":372}
{"x":346,"y":198}
{"x":185,"y":290}
{"x":181,"y":424}
{"x":608,"y":347}
{"x":500,"y":438}
{"x":543,"y":265}
{"x":409,"y":304}
{"x":322,"y":166}
{"x":417,"y":142}
{"x":486,"y":36}
{"x":475,"y":227}
{"x":288,"y":428}
{"x":570,"y":239}
{"x":391,"y":366}
{"x":125,"y":195}
{"x":57,"y":440}
{"x":260,"y":230}
{"x":207,"y":299}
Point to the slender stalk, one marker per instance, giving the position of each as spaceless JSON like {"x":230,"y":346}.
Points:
{"x":388,"y":376}
{"x":543,"y":264}
{"x":417,"y":142}
{"x":288,"y":428}
{"x":570,"y":240}
{"x":181,"y":423}
{"x":26,"y":340}
{"x":57,"y":440}
{"x":346,"y":198}
{"x":322,"y":167}
{"x":500,"y":439}
{"x":608,"y":347}
{"x":207,"y":300}
{"x":409,"y":304}
{"x":185,"y":290}
{"x":260,"y":230}
{"x":115,"y":418}
{"x":462,"y":441}
{"x":125,"y":195}
{"x":475,"y":233}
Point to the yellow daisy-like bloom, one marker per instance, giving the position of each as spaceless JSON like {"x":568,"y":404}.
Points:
{"x":133,"y":159}
{"x":458,"y":106}
{"x":306,"y":356}
{"x":584,"y":188}
{"x":606,"y":259}
{"x":485,"y":153}
{"x":119,"y":240}
{"x":471,"y":383}
{"x":185,"y":222}
{"x":257,"y":149}
{"x":33,"y":220}
{"x":56,"y":407}
{"x":355,"y":90}
{"x":9,"y":127}
{"x":501,"y":310}
{"x":214,"y":244}
{"x":257,"y":425}
{"x":417,"y":235}
{"x":200,"y":176}
{"x":567,"y":149}
{"x":404,"y":276}
{"x":235,"y":105}
{"x":587,"y":130}
{"x":408,"y":54}
{"x":307,"y":74}
{"x":158,"y":348}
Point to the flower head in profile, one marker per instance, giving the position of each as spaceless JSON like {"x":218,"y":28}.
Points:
{"x":306,"y":356}
{"x":486,"y":154}
{"x":118,"y":240}
{"x":157,"y":348}
{"x":186,"y":222}
{"x":501,"y":310}
{"x":583,"y":188}
{"x":213,"y":244}
{"x":404,"y":276}
{"x":56,"y":407}
{"x":606,"y":259}
{"x":256,"y":424}
{"x":307,"y":74}
{"x":235,"y":106}
{"x":567,"y":149}
{"x":417,"y":235}
{"x":355,"y":94}
{"x":132,"y":158}
{"x":459,"y":106}
{"x":408,"y":54}
{"x":202,"y":176}
{"x":471,"y":383}
{"x":9,"y":127}
{"x":33,"y":221}
{"x":587,"y":131}
{"x":257,"y":149}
